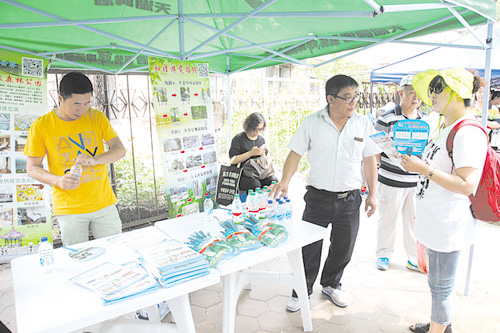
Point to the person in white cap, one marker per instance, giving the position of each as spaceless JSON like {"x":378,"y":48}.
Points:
{"x":396,"y":189}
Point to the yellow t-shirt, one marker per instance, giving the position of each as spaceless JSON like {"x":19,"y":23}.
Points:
{"x":62,"y":141}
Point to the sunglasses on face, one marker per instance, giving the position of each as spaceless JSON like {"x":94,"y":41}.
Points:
{"x":437,"y":88}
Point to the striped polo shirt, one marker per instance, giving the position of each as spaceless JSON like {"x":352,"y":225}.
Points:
{"x":389,"y":173}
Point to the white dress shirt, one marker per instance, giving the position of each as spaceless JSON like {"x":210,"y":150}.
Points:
{"x":335,"y":157}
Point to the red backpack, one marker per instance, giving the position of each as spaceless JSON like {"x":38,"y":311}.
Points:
{"x":485,"y":205}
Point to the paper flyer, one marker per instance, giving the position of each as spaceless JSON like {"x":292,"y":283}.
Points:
{"x":186,"y":132}
{"x":388,"y":147}
{"x":410,"y":136}
{"x":25,"y":214}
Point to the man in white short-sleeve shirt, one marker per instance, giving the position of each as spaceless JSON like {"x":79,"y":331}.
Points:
{"x":338,"y":146}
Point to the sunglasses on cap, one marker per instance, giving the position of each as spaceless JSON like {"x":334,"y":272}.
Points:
{"x":437,"y":87}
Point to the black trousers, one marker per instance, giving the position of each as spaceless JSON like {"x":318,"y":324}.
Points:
{"x":247,"y":183}
{"x":322,"y":208}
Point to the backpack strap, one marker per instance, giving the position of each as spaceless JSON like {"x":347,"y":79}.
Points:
{"x":454,"y":130}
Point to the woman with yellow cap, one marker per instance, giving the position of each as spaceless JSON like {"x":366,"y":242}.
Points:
{"x":444,"y":222}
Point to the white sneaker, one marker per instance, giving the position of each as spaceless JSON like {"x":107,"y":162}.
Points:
{"x":293,"y":304}
{"x":335,"y":295}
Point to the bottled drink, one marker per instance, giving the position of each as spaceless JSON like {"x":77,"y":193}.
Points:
{"x":253,"y":205}
{"x":237,"y":209}
{"x":288,"y":210}
{"x":280,"y":213}
{"x":262,"y":202}
{"x":46,"y":254}
{"x":271,"y":217}
{"x":208,"y":208}
{"x":76,"y":170}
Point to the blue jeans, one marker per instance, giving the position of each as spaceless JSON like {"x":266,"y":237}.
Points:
{"x":441,"y":279}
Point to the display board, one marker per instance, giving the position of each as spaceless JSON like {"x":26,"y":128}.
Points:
{"x":185,"y":127}
{"x":25,"y":214}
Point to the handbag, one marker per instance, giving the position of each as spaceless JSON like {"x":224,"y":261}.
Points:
{"x":228,"y":183}
{"x":260,"y":168}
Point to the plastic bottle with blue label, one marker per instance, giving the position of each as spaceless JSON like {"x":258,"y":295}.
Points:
{"x":280,"y":213}
{"x":271,"y":215}
{"x":288,"y":210}
{"x":46,"y":253}
{"x":208,"y":208}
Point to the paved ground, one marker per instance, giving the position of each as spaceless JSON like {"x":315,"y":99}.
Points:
{"x":379,"y":301}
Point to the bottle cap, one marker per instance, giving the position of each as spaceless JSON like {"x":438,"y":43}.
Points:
{"x":44,"y":239}
{"x":270,"y":202}
{"x":207,"y":196}
{"x":236,"y":195}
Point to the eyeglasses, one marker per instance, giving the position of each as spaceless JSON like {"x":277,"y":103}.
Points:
{"x":259,"y":129}
{"x":437,"y":88}
{"x":349,"y":100}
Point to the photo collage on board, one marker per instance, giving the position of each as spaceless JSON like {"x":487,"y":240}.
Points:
{"x":18,"y":198}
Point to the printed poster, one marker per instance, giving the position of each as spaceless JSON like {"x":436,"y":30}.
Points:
{"x":25,"y":214}
{"x":186,"y":132}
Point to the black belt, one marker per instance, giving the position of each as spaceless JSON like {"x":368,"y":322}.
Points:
{"x":335,"y":195}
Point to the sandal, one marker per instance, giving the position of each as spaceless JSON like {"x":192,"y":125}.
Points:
{"x":424,"y":328}
{"x":420,"y":328}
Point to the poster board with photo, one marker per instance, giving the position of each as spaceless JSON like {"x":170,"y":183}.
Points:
{"x":25,"y":214}
{"x":186,"y":132}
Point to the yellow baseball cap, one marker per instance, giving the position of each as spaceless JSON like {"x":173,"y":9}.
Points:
{"x":459,"y":80}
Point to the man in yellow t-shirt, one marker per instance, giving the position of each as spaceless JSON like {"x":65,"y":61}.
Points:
{"x":72,"y":134}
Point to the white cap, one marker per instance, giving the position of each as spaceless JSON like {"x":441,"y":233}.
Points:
{"x":405,"y":81}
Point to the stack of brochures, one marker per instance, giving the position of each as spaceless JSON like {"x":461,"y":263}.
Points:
{"x":173,"y":262}
{"x":113,"y":282}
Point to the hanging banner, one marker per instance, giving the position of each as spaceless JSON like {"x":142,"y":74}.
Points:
{"x":186,"y":132}
{"x":25,"y":214}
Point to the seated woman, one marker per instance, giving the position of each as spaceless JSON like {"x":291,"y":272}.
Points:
{"x":250,"y":144}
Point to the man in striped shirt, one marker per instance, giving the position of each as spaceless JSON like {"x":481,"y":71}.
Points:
{"x":396,"y":189}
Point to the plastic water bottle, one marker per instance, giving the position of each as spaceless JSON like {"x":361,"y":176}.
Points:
{"x":76,"y":170}
{"x":271,"y":217}
{"x":280,"y":210}
{"x":262,"y":206}
{"x":237,"y":209}
{"x":208,"y":208}
{"x":253,"y":205}
{"x":46,"y":254}
{"x":288,"y":210}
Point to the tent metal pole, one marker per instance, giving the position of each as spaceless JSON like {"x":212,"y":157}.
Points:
{"x":15,"y":49}
{"x":484,"y":117}
{"x":376,"y":7}
{"x":181,"y":28}
{"x":271,"y":56}
{"x":41,"y":54}
{"x":412,"y":7}
{"x":232,"y":25}
{"x":228,"y":94}
{"x":253,"y":45}
{"x":90,"y":29}
{"x":240,"y":48}
{"x":392,"y":38}
{"x":487,"y":73}
{"x":376,"y":40}
{"x":466,"y":24}
{"x":142,"y":51}
{"x":258,"y":57}
{"x":371,"y":96}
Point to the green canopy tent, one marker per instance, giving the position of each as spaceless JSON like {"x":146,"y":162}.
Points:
{"x":116,"y":36}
